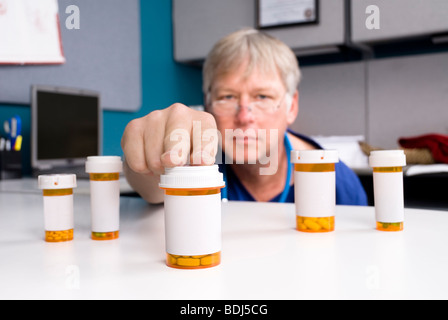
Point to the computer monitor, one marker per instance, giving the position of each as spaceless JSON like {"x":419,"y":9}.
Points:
{"x":66,"y":128}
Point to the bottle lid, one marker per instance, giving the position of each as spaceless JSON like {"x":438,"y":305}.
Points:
{"x":104,"y":164}
{"x":192,"y":177}
{"x":387,"y":158}
{"x":314,"y":156}
{"x":57,"y":181}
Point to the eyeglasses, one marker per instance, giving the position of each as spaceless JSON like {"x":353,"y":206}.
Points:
{"x":229,"y":105}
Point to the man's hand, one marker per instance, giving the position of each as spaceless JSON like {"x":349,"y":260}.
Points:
{"x":168,"y":138}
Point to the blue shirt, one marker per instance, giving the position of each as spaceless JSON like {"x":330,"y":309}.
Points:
{"x":349,"y":190}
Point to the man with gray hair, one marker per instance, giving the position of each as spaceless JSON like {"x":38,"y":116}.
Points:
{"x":250,"y":84}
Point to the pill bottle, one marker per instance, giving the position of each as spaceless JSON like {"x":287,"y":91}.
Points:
{"x":58,"y":206}
{"x":388,"y":188}
{"x":192,"y":201}
{"x":315,"y":189}
{"x":104,"y":174}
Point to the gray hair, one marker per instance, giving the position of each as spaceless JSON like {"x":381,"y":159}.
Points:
{"x":262,"y":50}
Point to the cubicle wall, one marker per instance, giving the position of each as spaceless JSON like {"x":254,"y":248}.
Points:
{"x":381,"y":99}
{"x":198,"y":24}
{"x":104,"y":55}
{"x":398,"y":19}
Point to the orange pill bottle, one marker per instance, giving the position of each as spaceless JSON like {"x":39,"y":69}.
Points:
{"x":315,"y":189}
{"x":104,"y":174}
{"x":192,"y":204}
{"x":388,"y":188}
{"x":58,"y":206}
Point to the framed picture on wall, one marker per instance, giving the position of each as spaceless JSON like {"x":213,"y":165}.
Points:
{"x":280,"y":13}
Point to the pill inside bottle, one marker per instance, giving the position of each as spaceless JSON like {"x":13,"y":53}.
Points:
{"x":58,"y":206}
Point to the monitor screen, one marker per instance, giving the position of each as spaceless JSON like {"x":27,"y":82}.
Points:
{"x":66,"y":125}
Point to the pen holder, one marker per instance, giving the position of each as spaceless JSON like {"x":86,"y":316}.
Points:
{"x":10,"y":165}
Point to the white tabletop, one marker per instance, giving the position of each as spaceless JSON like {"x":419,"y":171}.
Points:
{"x":263,"y":256}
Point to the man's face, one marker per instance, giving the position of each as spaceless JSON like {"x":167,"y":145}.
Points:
{"x":251,"y":134}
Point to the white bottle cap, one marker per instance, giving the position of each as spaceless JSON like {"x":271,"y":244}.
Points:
{"x":192,"y":177}
{"x":314,"y":156}
{"x":104,"y":164}
{"x":57,"y":181}
{"x":387,"y":158}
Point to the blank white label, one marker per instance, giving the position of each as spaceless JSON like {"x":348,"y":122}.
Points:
{"x":315,"y":194}
{"x":389,"y":196}
{"x":193,"y":224}
{"x":105,"y":205}
{"x":58,"y":213}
